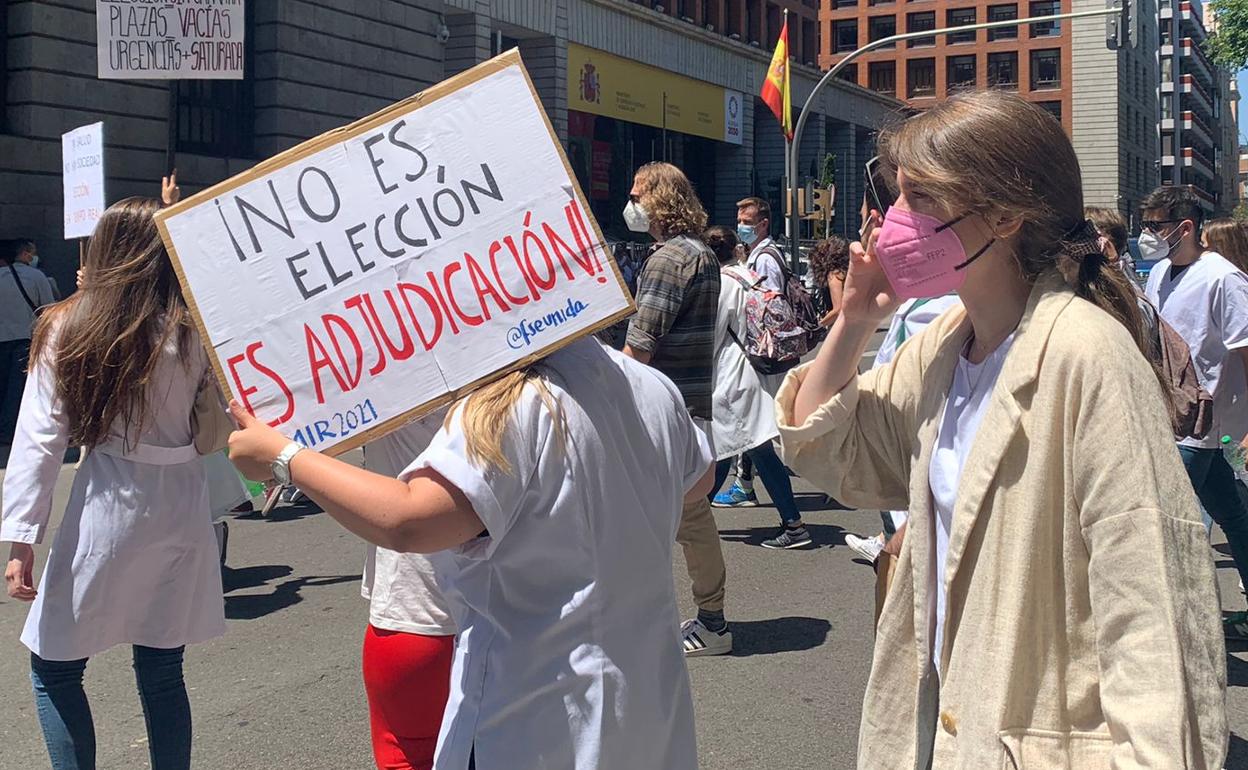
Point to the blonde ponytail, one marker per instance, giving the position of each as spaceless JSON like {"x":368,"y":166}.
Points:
{"x":488,"y":411}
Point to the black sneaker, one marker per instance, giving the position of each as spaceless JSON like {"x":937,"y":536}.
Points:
{"x":790,"y":537}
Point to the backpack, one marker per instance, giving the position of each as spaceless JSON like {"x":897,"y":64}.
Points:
{"x":1191,"y":403}
{"x":780,"y":327}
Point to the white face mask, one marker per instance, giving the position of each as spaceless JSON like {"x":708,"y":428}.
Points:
{"x":636,"y":217}
{"x":34,"y":261}
{"x":1153,"y":247}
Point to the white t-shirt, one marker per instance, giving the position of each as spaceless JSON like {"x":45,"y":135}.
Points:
{"x":762,"y":260}
{"x":969,"y":397}
{"x":401,"y":588}
{"x":1207,"y":304}
{"x":568,"y":655}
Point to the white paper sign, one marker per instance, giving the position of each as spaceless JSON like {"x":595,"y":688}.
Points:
{"x":170,"y":39}
{"x":355,"y":281}
{"x":82,"y":158}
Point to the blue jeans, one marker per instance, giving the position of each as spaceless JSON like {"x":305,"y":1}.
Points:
{"x":772,"y":473}
{"x":65,"y":715}
{"x":1223,"y":497}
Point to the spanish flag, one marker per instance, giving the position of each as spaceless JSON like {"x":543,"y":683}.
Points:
{"x":776,"y":87}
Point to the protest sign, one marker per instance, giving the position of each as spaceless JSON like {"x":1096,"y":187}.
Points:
{"x":368,"y":275}
{"x":170,"y":39}
{"x":82,"y":158}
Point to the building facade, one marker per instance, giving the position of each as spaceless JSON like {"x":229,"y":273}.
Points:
{"x":1156,"y":112}
{"x":623,"y":82}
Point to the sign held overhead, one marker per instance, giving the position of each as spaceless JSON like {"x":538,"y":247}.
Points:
{"x":362,"y":278}
{"x":170,"y":39}
{"x":82,"y":158}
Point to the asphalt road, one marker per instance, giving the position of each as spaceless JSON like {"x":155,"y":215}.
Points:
{"x":282,"y":688}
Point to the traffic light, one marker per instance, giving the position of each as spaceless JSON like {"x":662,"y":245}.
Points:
{"x":821,"y":206}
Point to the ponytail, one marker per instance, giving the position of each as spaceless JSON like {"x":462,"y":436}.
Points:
{"x":488,"y":411}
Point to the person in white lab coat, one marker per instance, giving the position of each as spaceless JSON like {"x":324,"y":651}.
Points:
{"x":134,"y":560}
{"x":549,"y":502}
{"x":744,"y":413}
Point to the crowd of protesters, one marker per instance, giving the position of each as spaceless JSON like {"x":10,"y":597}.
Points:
{"x":1049,"y":604}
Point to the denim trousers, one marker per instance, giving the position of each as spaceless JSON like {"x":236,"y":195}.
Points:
{"x":1222,"y":495}
{"x":65,"y":715}
{"x":772,"y":473}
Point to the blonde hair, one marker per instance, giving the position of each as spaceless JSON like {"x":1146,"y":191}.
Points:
{"x":488,"y":411}
{"x":992,"y":153}
{"x":1227,"y":237}
{"x":669,"y":200}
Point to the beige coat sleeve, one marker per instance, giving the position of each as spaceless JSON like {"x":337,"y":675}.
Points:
{"x":858,"y":446}
{"x":1150,"y":573}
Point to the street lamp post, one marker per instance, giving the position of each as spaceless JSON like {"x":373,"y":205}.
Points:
{"x":795,"y":146}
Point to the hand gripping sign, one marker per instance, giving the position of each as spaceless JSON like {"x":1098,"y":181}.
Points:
{"x":373,"y":273}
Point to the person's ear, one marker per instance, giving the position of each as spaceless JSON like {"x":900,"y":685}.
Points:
{"x":1006,"y":227}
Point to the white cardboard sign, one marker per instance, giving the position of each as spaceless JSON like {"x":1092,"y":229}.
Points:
{"x":82,"y":158}
{"x":358,"y":280}
{"x":170,"y":39}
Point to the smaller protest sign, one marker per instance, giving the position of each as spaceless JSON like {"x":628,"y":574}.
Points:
{"x":82,"y":155}
{"x":170,"y":39}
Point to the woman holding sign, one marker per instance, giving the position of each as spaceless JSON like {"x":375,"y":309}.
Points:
{"x":557,"y":565}
{"x":116,"y":369}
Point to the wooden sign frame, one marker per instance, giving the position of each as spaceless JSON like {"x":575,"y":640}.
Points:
{"x":407,"y":106}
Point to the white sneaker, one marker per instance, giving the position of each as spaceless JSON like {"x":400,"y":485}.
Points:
{"x":867,"y":547}
{"x":698,"y":640}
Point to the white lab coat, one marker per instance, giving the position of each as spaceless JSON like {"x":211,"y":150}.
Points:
{"x":226,"y":490}
{"x":135,"y":559}
{"x":743,"y":408}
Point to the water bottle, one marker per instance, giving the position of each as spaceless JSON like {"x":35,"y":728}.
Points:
{"x":1236,"y":457}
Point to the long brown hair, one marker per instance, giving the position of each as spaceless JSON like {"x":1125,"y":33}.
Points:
{"x":105,"y":341}
{"x":994,"y":154}
{"x":669,"y":199}
{"x":1227,"y":237}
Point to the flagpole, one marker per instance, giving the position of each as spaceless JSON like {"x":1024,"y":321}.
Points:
{"x":789,"y":183}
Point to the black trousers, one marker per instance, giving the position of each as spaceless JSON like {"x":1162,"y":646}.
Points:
{"x":13,"y":356}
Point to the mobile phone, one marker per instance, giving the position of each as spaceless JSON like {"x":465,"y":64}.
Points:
{"x":879,"y":194}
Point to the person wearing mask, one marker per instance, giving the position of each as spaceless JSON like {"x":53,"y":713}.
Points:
{"x":1204,"y":297}
{"x":745,"y":419}
{"x":134,"y":560}
{"x":23,"y":290}
{"x":1113,"y":228}
{"x":548,"y":502}
{"x":1060,"y":600}
{"x":1228,"y":238}
{"x":674,"y":331}
{"x":410,"y":637}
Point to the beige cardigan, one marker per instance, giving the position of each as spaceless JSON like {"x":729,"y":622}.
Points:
{"x":1083,"y":628}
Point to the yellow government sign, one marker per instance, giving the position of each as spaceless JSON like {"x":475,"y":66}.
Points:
{"x":602,"y":84}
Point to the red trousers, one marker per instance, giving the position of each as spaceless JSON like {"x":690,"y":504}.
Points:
{"x":407,"y":678}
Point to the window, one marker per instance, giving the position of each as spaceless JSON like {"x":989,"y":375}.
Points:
{"x":845,"y":35}
{"x":850,"y":73}
{"x":217,"y":117}
{"x":880,"y":27}
{"x":959,"y":17}
{"x":1165,"y":34}
{"x":1053,"y":108}
{"x":959,"y":73}
{"x":920,"y":78}
{"x":1048,"y":28}
{"x":882,"y":77}
{"x":1167,"y":107}
{"x":840,"y":4}
{"x":4,"y":63}
{"x":1167,"y":144}
{"x":1002,"y":13}
{"x":1003,"y":70}
{"x":917,"y":22}
{"x":1046,"y":69}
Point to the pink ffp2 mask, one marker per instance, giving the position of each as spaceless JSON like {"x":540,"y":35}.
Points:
{"x":922,"y":256}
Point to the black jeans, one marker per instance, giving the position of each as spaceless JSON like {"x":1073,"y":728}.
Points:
{"x":13,"y":355}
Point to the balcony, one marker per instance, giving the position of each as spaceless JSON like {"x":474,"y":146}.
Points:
{"x":1192,"y":19}
{"x":1198,"y":161}
{"x":1195,"y":93}
{"x":1197,"y":127}
{"x":1192,"y":52}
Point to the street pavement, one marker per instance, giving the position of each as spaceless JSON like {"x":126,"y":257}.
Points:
{"x":282,"y":688}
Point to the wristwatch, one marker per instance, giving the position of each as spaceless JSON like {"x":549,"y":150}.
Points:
{"x":281,"y":466}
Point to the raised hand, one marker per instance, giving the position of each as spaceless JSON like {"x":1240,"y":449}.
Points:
{"x":868,"y":297}
{"x":254,"y":446}
{"x":170,"y":193}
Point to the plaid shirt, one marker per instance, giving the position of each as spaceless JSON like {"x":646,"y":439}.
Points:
{"x":677,"y":300}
